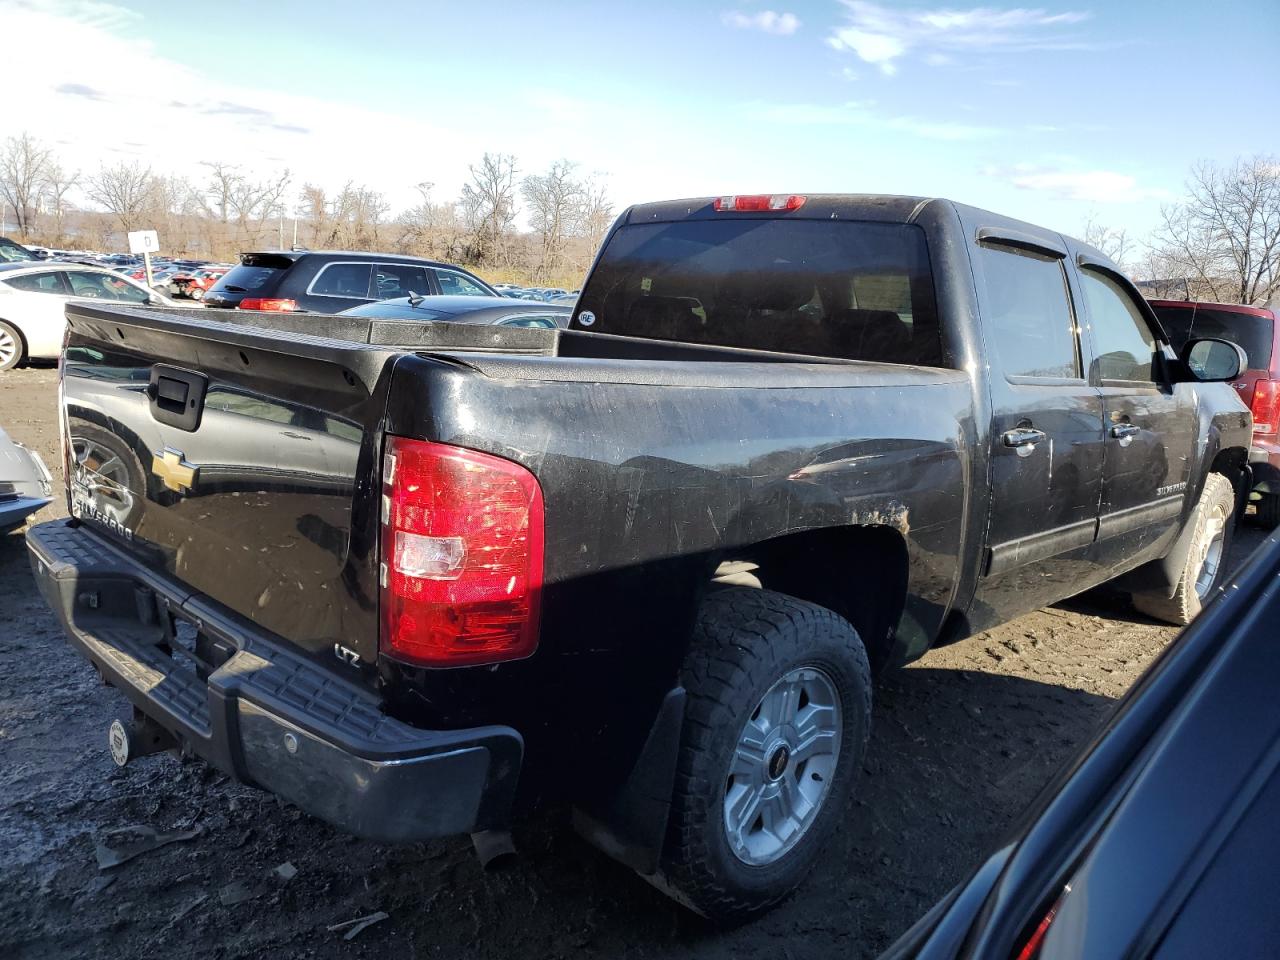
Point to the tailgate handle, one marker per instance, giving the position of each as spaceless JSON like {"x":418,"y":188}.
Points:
{"x":177,"y":396}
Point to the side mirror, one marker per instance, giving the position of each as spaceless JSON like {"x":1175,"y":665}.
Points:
{"x":1214,"y":361}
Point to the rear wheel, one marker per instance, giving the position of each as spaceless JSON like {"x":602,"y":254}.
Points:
{"x":776,"y":724}
{"x":195,"y":293}
{"x":1206,"y":561}
{"x":12,"y":349}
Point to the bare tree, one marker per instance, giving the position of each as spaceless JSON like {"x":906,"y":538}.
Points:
{"x":58,"y":182}
{"x":23,"y":168}
{"x":1225,"y":237}
{"x":556,"y":202}
{"x":1113,"y":242}
{"x":488,"y":205}
{"x":124,"y":190}
{"x":597,"y":212}
{"x":231,"y":195}
{"x":312,"y":209}
{"x":431,"y":229}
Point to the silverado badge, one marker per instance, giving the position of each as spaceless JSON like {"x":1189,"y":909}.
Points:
{"x":171,"y":466}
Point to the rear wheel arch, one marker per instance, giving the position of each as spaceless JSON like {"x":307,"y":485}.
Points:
{"x":858,"y":572}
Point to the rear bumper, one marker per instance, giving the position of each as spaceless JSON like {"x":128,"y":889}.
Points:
{"x":269,"y":715}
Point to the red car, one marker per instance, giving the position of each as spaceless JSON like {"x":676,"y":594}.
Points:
{"x":1255,"y":330}
{"x":197,"y":283}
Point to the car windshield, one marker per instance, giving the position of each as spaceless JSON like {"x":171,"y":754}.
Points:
{"x":11,"y":252}
{"x":860,"y":291}
{"x":1251,"y":333}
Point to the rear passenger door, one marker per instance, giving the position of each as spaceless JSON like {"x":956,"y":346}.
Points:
{"x":1151,"y":424}
{"x":1046,"y":431}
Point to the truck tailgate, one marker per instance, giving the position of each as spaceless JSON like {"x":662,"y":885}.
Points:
{"x":233,"y":458}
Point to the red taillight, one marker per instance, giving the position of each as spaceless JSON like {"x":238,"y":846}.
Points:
{"x":744,"y":203}
{"x":461,"y":570}
{"x":267,"y":303}
{"x":1266,"y":406}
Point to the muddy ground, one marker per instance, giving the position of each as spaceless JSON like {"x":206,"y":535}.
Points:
{"x":961,"y":743}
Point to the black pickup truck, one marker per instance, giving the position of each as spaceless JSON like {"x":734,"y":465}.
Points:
{"x":414,"y":577}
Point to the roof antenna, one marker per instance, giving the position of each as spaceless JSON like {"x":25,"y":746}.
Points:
{"x":415,"y":298}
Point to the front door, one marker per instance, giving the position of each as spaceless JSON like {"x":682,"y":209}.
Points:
{"x":1151,"y":425}
{"x":1046,"y":434}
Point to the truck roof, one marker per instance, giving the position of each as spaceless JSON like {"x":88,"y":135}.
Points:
{"x":852,"y":206}
{"x":881,"y":207}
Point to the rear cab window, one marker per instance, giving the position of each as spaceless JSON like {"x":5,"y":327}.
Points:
{"x":845,"y":289}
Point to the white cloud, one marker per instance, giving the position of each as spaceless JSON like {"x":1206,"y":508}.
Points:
{"x":861,"y":113}
{"x":1096,"y":186}
{"x":882,"y":36}
{"x":766,"y":21}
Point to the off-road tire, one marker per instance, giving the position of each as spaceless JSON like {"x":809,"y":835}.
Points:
{"x":20,"y":354}
{"x":1266,"y":511}
{"x":744,"y":641}
{"x":1181,"y":608}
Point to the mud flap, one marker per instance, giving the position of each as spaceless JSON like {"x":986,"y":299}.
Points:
{"x":631,"y":825}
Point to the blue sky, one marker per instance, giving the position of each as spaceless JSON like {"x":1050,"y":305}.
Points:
{"x":1052,"y":113}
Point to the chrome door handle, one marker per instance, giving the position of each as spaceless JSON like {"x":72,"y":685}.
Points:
{"x":1023,"y":437}
{"x":1125,"y":432}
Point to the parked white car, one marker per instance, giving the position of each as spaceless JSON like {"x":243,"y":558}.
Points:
{"x":33,"y":297}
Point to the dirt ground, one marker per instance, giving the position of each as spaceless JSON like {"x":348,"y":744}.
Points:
{"x":961,"y":742}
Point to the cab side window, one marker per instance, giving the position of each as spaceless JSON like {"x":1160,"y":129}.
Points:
{"x":399,"y":280}
{"x":454,"y":283}
{"x":100,"y":286}
{"x":1029,"y":313}
{"x":350,"y":280}
{"x":1125,"y":345}
{"x":50,"y":282}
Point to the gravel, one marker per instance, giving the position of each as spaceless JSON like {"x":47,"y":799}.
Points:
{"x":961,"y":742}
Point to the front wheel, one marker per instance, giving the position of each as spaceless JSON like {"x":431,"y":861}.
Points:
{"x":776,"y":724}
{"x":1206,"y":563}
{"x":196,"y":293}
{"x":11,"y":350}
